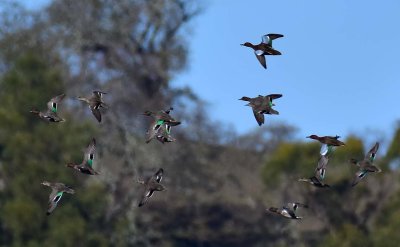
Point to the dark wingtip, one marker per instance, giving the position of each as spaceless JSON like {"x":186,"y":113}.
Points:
{"x":48,"y":213}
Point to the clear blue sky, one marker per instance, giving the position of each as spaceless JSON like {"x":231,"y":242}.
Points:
{"x":339,"y":72}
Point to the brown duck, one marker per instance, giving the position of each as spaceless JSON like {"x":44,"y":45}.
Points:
{"x":262,"y":105}
{"x":264,"y":48}
{"x":151,"y":185}
{"x":95,"y":102}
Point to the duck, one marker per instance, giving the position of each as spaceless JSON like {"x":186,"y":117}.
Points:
{"x":288,"y":211}
{"x":314,"y":181}
{"x":151,"y":185}
{"x":51,"y":114}
{"x":95,"y":102}
{"x":262,"y":105}
{"x":161,"y":132}
{"x":86,"y":167}
{"x":328,"y":140}
{"x":163,"y":117}
{"x":264,"y":48}
{"x":57,"y":190}
{"x":366,"y":165}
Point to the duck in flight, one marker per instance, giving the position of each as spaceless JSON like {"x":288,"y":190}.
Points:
{"x":264,"y":48}
{"x":262,"y":105}
{"x":51,"y":114}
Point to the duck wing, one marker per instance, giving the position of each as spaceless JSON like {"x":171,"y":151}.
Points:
{"x":54,"y":198}
{"x":96,"y":112}
{"x":372,"y":153}
{"x":261,"y":59}
{"x":53,"y":103}
{"x":88,"y":156}
{"x":259,"y":117}
{"x":360,"y":174}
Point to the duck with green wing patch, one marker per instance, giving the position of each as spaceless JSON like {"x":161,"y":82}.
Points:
{"x":366,"y":165}
{"x":86,"y":167}
{"x":51,"y":115}
{"x":57,"y":190}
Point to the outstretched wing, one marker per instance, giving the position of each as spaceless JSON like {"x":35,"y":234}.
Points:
{"x":259,"y":117}
{"x":96,"y":112}
{"x":158,"y":175}
{"x":88,"y":157}
{"x":53,"y":103}
{"x":261,"y":59}
{"x":54,"y":198}
{"x":372,"y":153}
{"x":360,"y":174}
{"x":145,"y":196}
{"x":321,"y":167}
{"x":98,"y":94}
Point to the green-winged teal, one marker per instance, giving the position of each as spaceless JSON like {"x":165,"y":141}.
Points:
{"x":151,"y":184}
{"x":262,"y":105}
{"x":163,"y":117}
{"x":95,"y":102}
{"x":86,"y":166}
{"x":57,"y":190}
{"x":314,"y":181}
{"x":52,"y":107}
{"x":288,"y":211}
{"x":329,"y":140}
{"x":264,"y":48}
{"x":366,"y":165}
{"x":161,"y":132}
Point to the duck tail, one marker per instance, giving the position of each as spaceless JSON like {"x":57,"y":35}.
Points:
{"x":70,"y":165}
{"x":274,"y":112}
{"x":34,"y":111}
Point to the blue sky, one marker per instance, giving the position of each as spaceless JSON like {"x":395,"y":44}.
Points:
{"x":339,"y":72}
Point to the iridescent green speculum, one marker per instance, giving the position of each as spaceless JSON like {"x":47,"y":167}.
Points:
{"x":90,"y":162}
{"x":54,"y":109}
{"x":159,"y":122}
{"x":270,"y":103}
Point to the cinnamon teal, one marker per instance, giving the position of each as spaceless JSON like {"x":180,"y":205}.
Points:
{"x":95,"y":102}
{"x":151,"y":185}
{"x":366,"y":165}
{"x":262,"y":105}
{"x":264,"y":48}
{"x":52,"y":107}
{"x":57,"y":190}
{"x":288,"y":211}
{"x":86,"y":166}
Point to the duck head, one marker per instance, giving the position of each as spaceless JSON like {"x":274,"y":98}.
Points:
{"x":313,"y":137}
{"x":248,"y":44}
{"x":274,"y":210}
{"x":45,"y":183}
